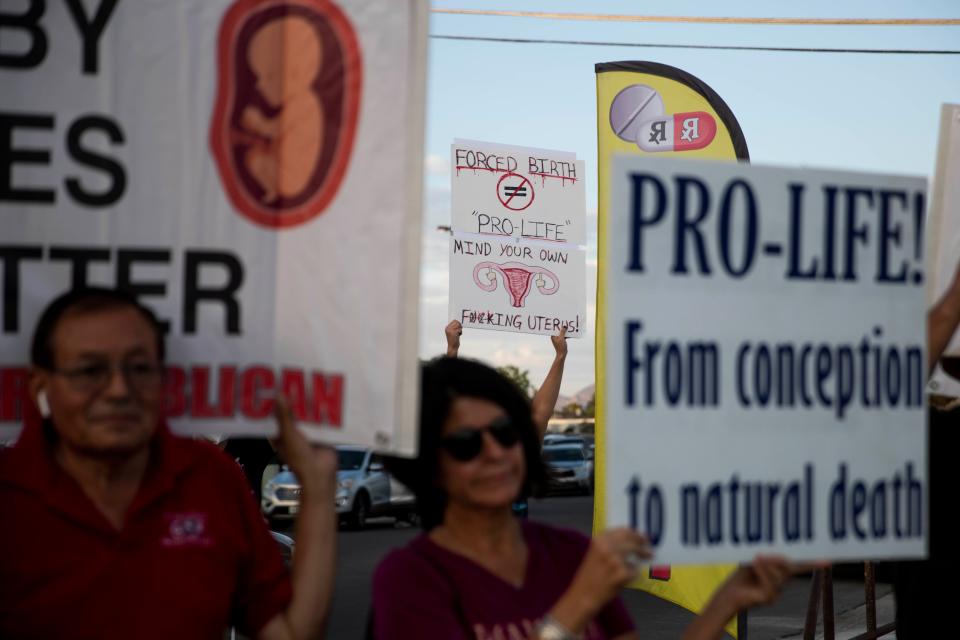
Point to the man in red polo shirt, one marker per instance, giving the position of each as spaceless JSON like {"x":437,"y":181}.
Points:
{"x":112,"y":527}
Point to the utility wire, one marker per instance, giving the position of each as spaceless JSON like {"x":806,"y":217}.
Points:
{"x":599,"y":17}
{"x":602,"y":43}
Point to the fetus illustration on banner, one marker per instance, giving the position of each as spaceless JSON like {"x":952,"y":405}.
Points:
{"x":286,"y":108}
{"x":516,"y":279}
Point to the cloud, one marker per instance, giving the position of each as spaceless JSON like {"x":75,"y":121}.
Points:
{"x":436,"y":165}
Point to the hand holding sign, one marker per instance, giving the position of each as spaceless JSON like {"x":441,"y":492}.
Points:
{"x":559,"y":342}
{"x":610,"y":564}
{"x":453,"y":332}
{"x":759,"y":583}
{"x":942,"y":322}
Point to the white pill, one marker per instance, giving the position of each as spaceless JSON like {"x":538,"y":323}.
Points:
{"x":633,"y":105}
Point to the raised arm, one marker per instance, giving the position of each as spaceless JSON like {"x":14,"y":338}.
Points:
{"x":942,"y":321}
{"x":453,"y":330}
{"x":755,"y":584}
{"x":545,"y":399}
{"x":316,"y":535}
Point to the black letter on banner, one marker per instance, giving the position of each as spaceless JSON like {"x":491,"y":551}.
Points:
{"x":125,"y":260}
{"x":79,"y":259}
{"x":689,"y":225}
{"x":633,"y":363}
{"x":90,"y":31}
{"x":853,"y":233}
{"x":795,"y":231}
{"x":91,"y":159}
{"x":889,"y":233}
{"x":193,"y":294}
{"x":9,"y":156}
{"x":653,"y":514}
{"x":750,"y":237}
{"x":638,"y":221}
{"x":29,"y":22}
{"x":11,"y":257}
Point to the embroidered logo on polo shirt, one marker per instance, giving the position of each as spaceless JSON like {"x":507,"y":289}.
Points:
{"x":186,"y":530}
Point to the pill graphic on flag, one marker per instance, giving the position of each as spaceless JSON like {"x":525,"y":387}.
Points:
{"x":677,"y":132}
{"x":633,"y":105}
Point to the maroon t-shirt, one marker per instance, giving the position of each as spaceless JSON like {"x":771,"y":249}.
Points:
{"x":193,"y":555}
{"x":426,"y":591}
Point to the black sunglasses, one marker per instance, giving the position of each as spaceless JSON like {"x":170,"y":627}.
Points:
{"x":466,"y":444}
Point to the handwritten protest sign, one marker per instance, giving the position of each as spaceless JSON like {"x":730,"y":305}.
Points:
{"x":517,"y":258}
{"x":508,"y":286}
{"x":765,"y":361}
{"x":254,"y":176}
{"x":517,"y":192}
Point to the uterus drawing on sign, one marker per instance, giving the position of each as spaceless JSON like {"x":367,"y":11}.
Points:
{"x":517,"y":278}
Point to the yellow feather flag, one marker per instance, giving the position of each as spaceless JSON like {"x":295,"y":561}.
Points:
{"x":657,"y":110}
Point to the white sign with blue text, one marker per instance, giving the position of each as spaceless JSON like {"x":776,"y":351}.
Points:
{"x":765,"y":361}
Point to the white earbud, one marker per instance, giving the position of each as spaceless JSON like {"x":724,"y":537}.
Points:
{"x":43,"y":404}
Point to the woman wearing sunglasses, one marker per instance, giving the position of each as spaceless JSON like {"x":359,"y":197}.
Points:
{"x":544,"y":400}
{"x":479,"y":572}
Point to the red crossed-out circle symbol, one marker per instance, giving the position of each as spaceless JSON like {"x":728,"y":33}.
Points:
{"x":514,"y":191}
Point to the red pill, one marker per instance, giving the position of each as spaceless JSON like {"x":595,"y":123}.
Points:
{"x":677,"y":132}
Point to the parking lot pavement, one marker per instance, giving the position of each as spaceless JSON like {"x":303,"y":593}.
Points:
{"x":656,"y":619}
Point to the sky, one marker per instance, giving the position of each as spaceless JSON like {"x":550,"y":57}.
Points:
{"x":855,"y":112}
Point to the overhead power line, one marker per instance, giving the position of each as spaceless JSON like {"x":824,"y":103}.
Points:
{"x":600,"y":17}
{"x":603,"y":43}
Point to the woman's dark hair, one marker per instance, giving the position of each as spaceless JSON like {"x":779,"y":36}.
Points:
{"x":443,"y":381}
{"x":84,"y":300}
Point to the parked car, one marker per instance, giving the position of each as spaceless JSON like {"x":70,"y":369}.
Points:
{"x":569,"y":467}
{"x":286,"y":546}
{"x":585,"y":441}
{"x":364,"y":489}
{"x":588,"y":440}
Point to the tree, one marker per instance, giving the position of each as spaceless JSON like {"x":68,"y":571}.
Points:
{"x":518,"y":377}
{"x":571,"y":410}
{"x":588,"y":411}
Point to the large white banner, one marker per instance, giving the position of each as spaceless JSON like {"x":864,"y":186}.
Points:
{"x":517,"y":254}
{"x":252,"y":169}
{"x":944,"y":231}
{"x":766,"y":361}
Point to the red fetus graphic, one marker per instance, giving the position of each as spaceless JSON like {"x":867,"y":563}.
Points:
{"x":516,"y":279}
{"x":283,"y":150}
{"x":287,"y":107}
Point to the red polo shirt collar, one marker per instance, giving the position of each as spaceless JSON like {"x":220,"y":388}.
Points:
{"x":31,"y":465}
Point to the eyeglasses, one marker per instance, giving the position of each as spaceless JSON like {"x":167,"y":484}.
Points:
{"x":142,"y":377}
{"x":466,"y":444}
